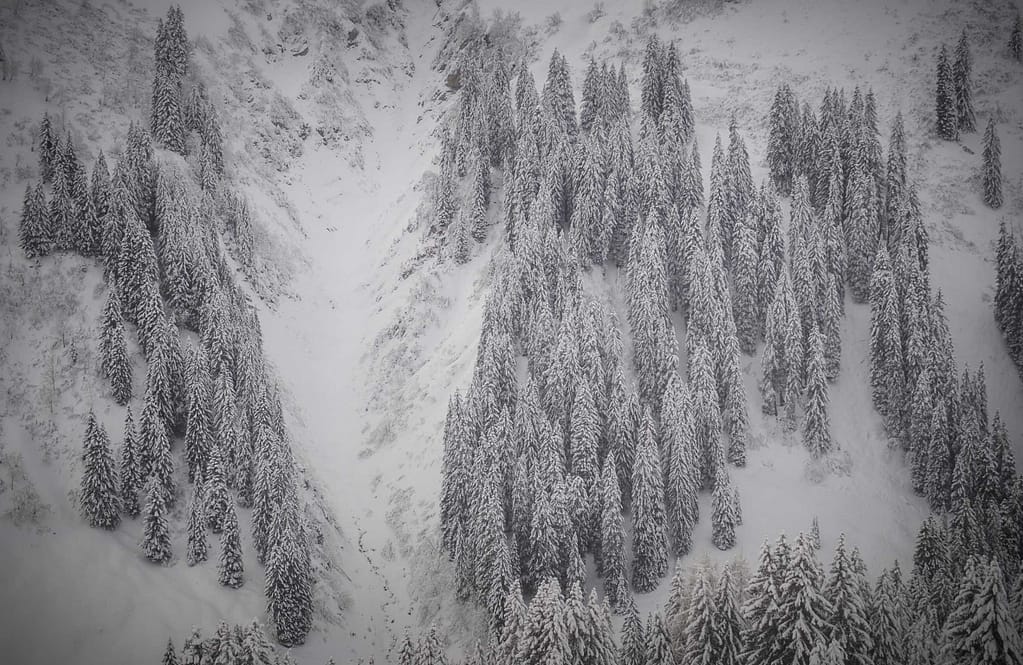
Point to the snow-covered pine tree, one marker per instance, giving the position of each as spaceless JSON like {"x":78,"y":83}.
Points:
{"x":760,"y":612}
{"x":217,"y":499}
{"x":744,"y":284}
{"x":739,"y":189}
{"x":728,"y":622}
{"x":782,"y":139}
{"x":649,"y":543}
{"x":1016,"y":40}
{"x":156,"y":545}
{"x":47,"y":148}
{"x":700,"y":631}
{"x":229,"y":568}
{"x":683,"y":478}
{"x":947,"y":117}
{"x":815,"y":533}
{"x":802,"y":604}
{"x":544,"y":637}
{"x":816,"y":423}
{"x":887,"y":625}
{"x":832,"y":329}
{"x":962,"y":73}
{"x":165,"y":120}
{"x":197,"y":547}
{"x":992,"y":168}
{"x":114,"y":361}
{"x":980,"y":630}
{"x":886,"y":368}
{"x":130,"y":468}
{"x":100,"y":186}
{"x":99,"y":499}
{"x":197,"y":432}
{"x":288,"y":593}
{"x":847,"y":624}
{"x":652,"y":82}
{"x":724,"y":515}
{"x":612,"y":544}
{"x":35,"y":233}
{"x":633,"y":647}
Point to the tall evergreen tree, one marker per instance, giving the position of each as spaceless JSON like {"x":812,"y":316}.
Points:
{"x":649,"y":542}
{"x":114,"y":361}
{"x":980,"y":630}
{"x":612,"y":546}
{"x":35,"y":234}
{"x":197,"y":547}
{"x":131,"y":468}
{"x":803,"y":605}
{"x":288,"y":593}
{"x":1016,"y":40}
{"x":992,"y":169}
{"x":544,"y":638}
{"x":945,"y":99}
{"x":848,"y":623}
{"x":99,"y":499}
{"x":724,"y":516}
{"x":229,"y":569}
{"x":156,"y":544}
{"x":962,"y":73}
{"x":197,"y":432}
{"x":47,"y":148}
{"x":816,"y":423}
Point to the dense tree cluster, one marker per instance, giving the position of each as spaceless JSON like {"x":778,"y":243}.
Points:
{"x":155,"y":229}
{"x":538,"y":471}
{"x":1008,"y":303}
{"x":954,"y":91}
{"x":228,"y":645}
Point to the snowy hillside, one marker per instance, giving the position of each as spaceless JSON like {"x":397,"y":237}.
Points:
{"x":335,"y":120}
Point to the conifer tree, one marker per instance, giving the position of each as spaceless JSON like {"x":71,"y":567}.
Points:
{"x":945,"y":100}
{"x":156,"y":544}
{"x":649,"y":542}
{"x":815,"y":533}
{"x":217,"y":499}
{"x":170,"y":655}
{"x":848,"y":623}
{"x":288,"y":593}
{"x":544,"y":637}
{"x":1016,"y":40}
{"x":612,"y":545}
{"x":962,"y":72}
{"x":658,"y":644}
{"x":47,"y":148}
{"x":229,"y":569}
{"x":700,"y":629}
{"x":724,"y":516}
{"x":980,"y":629}
{"x":728,"y":622}
{"x":803,"y":605}
{"x":100,"y":186}
{"x":197,"y":432}
{"x":633,"y":648}
{"x":99,"y":499}
{"x":761,"y":613}
{"x":197,"y":547}
{"x":114,"y":362}
{"x":744,"y":272}
{"x":131,"y":473}
{"x":781,"y":146}
{"x":992,"y":169}
{"x":34,"y":231}
{"x":816,"y":423}
{"x":887,"y":628}
{"x":832,"y":329}
{"x":886,"y":368}
{"x":683,"y":478}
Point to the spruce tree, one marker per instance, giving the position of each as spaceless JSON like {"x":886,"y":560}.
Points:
{"x":992,"y":169}
{"x":886,"y":619}
{"x":848,"y":622}
{"x":947,"y":120}
{"x":288,"y":593}
{"x":962,"y":72}
{"x":217,"y":499}
{"x":724,"y":516}
{"x":612,"y":545}
{"x":683,"y":477}
{"x":816,"y":423}
{"x":115,"y":363}
{"x":728,"y":622}
{"x":544,"y":637}
{"x":165,"y":120}
{"x":197,"y":432}
{"x":980,"y":630}
{"x":1016,"y":40}
{"x":197,"y":547}
{"x":803,"y":605}
{"x":761,"y":613}
{"x":34,"y":232}
{"x":781,"y":146}
{"x":99,"y":501}
{"x":170,"y":654}
{"x":131,"y":469}
{"x":700,"y":625}
{"x":229,"y":568}
{"x":156,"y":544}
{"x":649,"y":542}
{"x":48,"y":148}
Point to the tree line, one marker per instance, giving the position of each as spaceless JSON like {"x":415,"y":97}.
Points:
{"x":157,"y":228}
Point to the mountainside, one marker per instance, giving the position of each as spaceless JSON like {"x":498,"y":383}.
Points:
{"x":336,"y":118}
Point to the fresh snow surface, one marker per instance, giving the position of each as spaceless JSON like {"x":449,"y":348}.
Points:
{"x":368,"y":357}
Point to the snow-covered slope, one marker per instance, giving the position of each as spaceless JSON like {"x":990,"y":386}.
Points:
{"x":368,"y":340}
